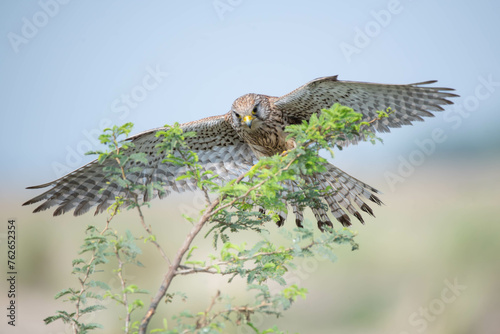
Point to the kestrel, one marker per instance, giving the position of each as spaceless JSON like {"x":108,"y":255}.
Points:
{"x":230,"y":144}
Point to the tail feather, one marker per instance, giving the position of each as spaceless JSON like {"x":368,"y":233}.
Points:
{"x":344,"y":195}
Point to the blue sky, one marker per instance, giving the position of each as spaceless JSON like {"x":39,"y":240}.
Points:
{"x":68,"y":68}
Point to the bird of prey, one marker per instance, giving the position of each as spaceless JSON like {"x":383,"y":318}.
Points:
{"x":254,"y":127}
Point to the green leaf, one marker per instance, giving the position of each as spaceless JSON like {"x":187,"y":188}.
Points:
{"x":92,"y":308}
{"x":140,"y":157}
{"x":63,"y":292}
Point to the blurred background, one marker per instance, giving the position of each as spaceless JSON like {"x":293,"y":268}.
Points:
{"x":429,"y":262}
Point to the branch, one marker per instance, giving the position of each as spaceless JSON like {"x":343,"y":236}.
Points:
{"x":208,"y":269}
{"x":167,"y":279}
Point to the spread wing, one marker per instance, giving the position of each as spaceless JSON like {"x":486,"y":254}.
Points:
{"x":409,"y":103}
{"x":218,"y":147}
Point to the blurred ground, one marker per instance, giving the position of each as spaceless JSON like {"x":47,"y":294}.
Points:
{"x":439,"y":228}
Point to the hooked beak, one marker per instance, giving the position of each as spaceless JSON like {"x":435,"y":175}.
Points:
{"x":248,"y":120}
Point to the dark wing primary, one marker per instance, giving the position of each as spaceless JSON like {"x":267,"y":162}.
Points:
{"x":218,"y":147}
{"x":409,"y":103}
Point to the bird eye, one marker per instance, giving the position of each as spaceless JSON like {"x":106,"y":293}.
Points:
{"x":237,"y":115}
{"x":254,"y":111}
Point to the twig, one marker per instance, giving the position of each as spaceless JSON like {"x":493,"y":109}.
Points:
{"x":208,"y":269}
{"x":136,"y":202}
{"x":87,"y":274}
{"x":246,"y":310}
{"x":193,"y":170}
{"x":148,"y":229}
{"x":167,"y":279}
{"x":124,"y":293}
{"x":241,"y":177}
{"x":200,"y":323}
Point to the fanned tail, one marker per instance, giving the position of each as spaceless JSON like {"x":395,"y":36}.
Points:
{"x":343,"y":195}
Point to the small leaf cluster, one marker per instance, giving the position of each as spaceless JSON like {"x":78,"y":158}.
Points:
{"x":100,"y":246}
{"x":177,"y":152}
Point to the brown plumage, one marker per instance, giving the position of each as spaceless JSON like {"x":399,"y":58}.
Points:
{"x":254,"y":127}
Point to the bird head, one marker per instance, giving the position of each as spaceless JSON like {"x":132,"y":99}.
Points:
{"x":248,"y":112}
